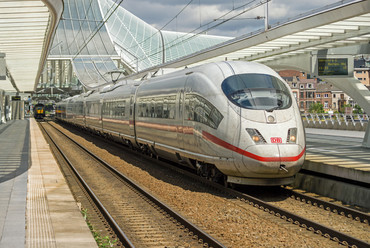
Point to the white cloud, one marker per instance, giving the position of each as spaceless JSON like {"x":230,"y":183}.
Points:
{"x":159,"y":12}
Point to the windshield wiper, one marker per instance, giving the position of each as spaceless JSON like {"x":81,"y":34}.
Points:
{"x":273,"y":108}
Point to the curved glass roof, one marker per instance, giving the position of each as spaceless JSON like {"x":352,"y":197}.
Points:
{"x":141,"y":45}
{"x":83,"y":38}
{"x":92,"y":33}
{"x":136,"y":42}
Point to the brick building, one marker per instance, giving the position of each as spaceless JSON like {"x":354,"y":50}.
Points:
{"x":362,"y":71}
{"x":309,"y":90}
{"x":303,"y":87}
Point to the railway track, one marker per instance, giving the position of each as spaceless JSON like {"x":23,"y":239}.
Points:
{"x":138,"y":218}
{"x":341,"y":224}
{"x":302,"y":219}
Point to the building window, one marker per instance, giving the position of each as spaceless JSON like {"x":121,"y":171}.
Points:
{"x":309,"y":94}
{"x":326,"y":104}
{"x":334,"y":96}
{"x":294,"y":85}
{"x":326,"y":95}
{"x":318,"y":95}
{"x":309,"y":86}
{"x":301,"y":86}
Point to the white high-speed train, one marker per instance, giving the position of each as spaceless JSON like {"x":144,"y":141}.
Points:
{"x":232,"y":121}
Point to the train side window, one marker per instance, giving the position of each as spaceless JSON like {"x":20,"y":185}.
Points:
{"x":92,"y":108}
{"x":200,"y":110}
{"x":119,"y":109}
{"x":114,"y":109}
{"x":157,"y":107}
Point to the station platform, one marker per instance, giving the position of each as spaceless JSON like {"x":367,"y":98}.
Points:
{"x":337,"y":153}
{"x":37,"y":208}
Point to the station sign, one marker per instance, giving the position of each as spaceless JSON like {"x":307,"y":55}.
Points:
{"x":16,"y":98}
{"x":330,"y":67}
{"x":333,"y":66}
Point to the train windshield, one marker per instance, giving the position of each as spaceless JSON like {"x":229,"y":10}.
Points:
{"x":257,"y":91}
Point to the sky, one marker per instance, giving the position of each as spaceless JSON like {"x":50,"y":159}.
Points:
{"x":200,"y":14}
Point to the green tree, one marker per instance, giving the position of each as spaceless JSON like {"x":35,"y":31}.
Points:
{"x":357,"y":109}
{"x":316,"y":108}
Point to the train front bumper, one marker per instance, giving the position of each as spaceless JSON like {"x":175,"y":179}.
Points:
{"x":272,"y":160}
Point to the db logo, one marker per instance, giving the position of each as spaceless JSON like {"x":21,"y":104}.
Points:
{"x":276,"y":140}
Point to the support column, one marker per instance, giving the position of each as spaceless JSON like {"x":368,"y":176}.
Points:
{"x":355,"y":89}
{"x":366,"y":141}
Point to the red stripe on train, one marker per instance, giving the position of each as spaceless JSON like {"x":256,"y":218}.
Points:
{"x":226,"y":145}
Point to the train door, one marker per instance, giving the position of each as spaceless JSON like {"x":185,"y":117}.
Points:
{"x":84,"y":112}
{"x":132,"y":128}
{"x":183,"y":130}
{"x":180,"y":122}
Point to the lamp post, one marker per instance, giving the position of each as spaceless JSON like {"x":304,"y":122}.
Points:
{"x":267,"y":16}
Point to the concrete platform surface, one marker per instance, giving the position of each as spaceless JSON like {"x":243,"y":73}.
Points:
{"x":337,"y":153}
{"x":37,"y":208}
{"x":341,"y":151}
{"x":14,"y":160}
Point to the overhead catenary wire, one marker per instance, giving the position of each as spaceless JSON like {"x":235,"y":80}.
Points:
{"x":196,"y":33}
{"x":165,"y":25}
{"x":98,"y":28}
{"x":194,"y":30}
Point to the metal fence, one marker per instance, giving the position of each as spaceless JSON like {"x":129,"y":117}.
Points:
{"x":357,"y":122}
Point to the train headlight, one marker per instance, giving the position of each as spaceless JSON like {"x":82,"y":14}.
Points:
{"x":255,"y":135}
{"x":292,"y":135}
{"x":255,"y":138}
{"x":271,"y":119}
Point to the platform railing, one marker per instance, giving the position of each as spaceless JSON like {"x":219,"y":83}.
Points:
{"x":356,"y":122}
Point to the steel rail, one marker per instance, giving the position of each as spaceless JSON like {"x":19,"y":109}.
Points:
{"x":116,"y":228}
{"x":279,"y":212}
{"x":201,"y":235}
{"x":291,"y":217}
{"x":342,"y":210}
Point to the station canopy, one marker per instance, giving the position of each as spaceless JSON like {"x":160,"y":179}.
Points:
{"x":26,"y":29}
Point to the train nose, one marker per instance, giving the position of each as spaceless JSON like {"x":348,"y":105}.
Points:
{"x":273,"y":158}
{"x":262,"y":159}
